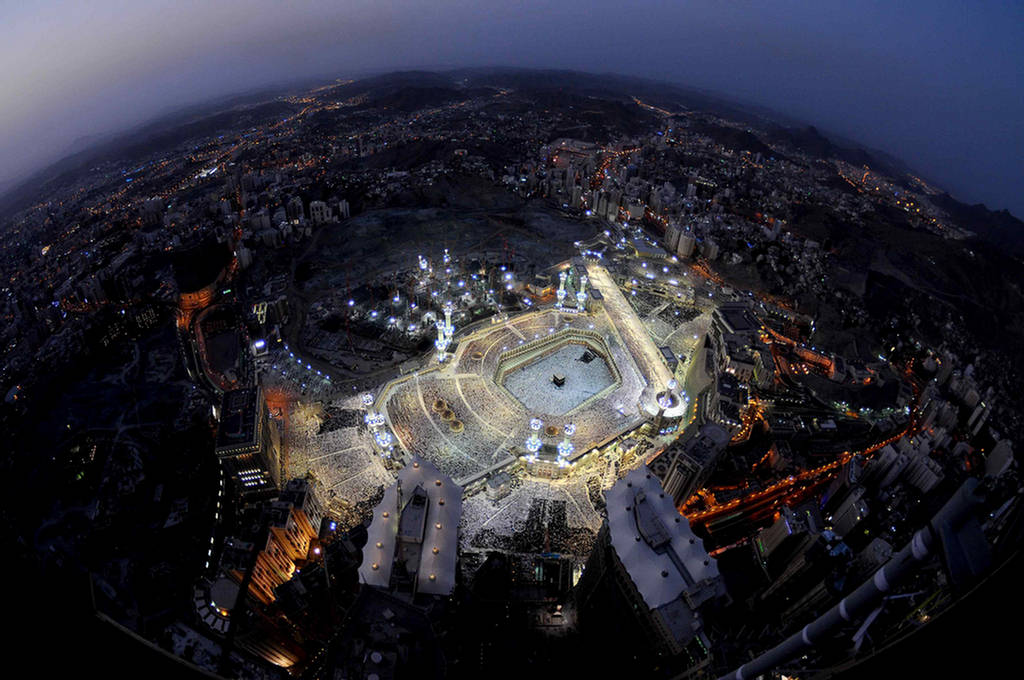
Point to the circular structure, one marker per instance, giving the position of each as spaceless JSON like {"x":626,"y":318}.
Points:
{"x":667,"y":399}
{"x":477,"y":355}
{"x":551,"y":431}
{"x":440,"y":406}
{"x":456,"y":426}
{"x":448,"y":415}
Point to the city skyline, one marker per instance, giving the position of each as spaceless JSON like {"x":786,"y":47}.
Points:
{"x":932,"y":84}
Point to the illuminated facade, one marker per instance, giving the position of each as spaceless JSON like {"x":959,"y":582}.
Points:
{"x":683,"y":468}
{"x":249,"y":444}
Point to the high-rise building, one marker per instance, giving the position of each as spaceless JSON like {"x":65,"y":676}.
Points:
{"x":791,"y":533}
{"x":648,"y":561}
{"x":685,"y":245}
{"x":295,"y":209}
{"x":293,"y":524}
{"x":249,"y":444}
{"x":841,"y":487}
{"x":672,"y":233}
{"x":850,"y":512}
{"x":710,"y":250}
{"x":923,"y":473}
{"x":319,"y":212}
{"x":684,"y":468}
{"x":1000,"y":458}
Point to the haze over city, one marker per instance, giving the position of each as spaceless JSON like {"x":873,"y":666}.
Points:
{"x":936,"y":84}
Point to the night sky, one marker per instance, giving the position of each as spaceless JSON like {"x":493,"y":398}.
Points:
{"x":936,"y":83}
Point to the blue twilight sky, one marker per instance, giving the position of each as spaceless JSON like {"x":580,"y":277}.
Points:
{"x":937,"y":83}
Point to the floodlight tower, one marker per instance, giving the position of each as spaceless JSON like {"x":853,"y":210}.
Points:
{"x":533,"y":442}
{"x":561,"y":293}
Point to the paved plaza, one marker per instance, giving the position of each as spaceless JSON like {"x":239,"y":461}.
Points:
{"x":586,"y":374}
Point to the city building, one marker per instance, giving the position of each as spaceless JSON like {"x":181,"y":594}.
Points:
{"x":684,"y":467}
{"x":249,"y":444}
{"x":413,"y":537}
{"x":648,"y":560}
{"x":319,"y":212}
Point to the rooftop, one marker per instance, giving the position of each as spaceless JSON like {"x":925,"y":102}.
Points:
{"x":654,"y":542}
{"x":420,"y":511}
{"x":238,"y":417}
{"x":738,"y":318}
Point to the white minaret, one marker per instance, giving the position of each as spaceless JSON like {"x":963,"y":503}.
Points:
{"x":445,"y":332}
{"x":442,"y":341}
{"x":565,"y":447}
{"x":581,"y":294}
{"x":533,"y":442}
{"x":377,"y":424}
{"x":561,"y":289}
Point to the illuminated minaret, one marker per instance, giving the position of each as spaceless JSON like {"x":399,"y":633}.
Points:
{"x":565,"y":447}
{"x":376,"y":422}
{"x":533,"y":442}
{"x":448,"y":306}
{"x":445,"y":332}
{"x":442,"y":341}
{"x":581,"y":294}
{"x":561,"y":293}
{"x":666,"y":399}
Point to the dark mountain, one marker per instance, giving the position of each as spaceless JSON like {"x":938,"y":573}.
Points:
{"x":158,"y":135}
{"x":407,"y":98}
{"x":997,"y":226}
{"x":732,"y":138}
{"x":811,"y":142}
